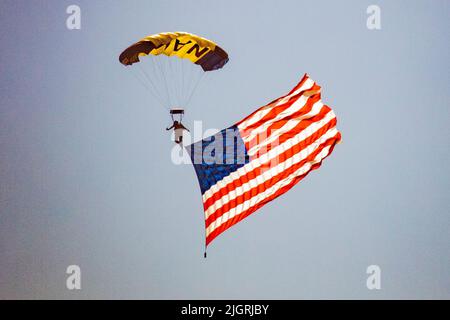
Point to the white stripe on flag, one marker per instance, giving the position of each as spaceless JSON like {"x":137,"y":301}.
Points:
{"x":273,"y":136}
{"x":269,"y":156}
{"x":296,"y":106}
{"x":308,"y":84}
{"x":266,"y":175}
{"x":268,"y":192}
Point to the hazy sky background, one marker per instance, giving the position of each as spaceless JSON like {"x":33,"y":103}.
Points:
{"x":86,"y":176}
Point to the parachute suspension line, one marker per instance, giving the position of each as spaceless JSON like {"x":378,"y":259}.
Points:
{"x":170,"y":81}
{"x":155,"y":88}
{"x":162,"y":63}
{"x":179,"y":77}
{"x":183,"y":93}
{"x":154,"y":85}
{"x":188,"y":83}
{"x":162,"y":72}
{"x":147,"y":87}
{"x":165,"y":72}
{"x":158,"y":80}
{"x":174,"y":77}
{"x":195,"y":87}
{"x":180,"y":80}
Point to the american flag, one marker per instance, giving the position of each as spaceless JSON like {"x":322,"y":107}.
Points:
{"x":243,"y":167}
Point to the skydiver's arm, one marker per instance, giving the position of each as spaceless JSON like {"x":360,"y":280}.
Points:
{"x":169,"y":128}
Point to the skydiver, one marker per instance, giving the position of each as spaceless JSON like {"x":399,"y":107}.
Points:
{"x":178,"y":129}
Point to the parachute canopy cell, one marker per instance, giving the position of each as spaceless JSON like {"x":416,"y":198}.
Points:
{"x":184,"y":45}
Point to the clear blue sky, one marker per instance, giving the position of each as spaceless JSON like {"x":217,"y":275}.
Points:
{"x":86,"y":176}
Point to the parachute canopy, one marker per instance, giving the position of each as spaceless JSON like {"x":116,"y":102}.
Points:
{"x":170,"y":72}
{"x":184,"y":45}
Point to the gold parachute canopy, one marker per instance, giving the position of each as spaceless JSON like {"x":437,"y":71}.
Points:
{"x":184,"y":45}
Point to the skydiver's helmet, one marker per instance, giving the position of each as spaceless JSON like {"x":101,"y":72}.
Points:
{"x":177,"y":114}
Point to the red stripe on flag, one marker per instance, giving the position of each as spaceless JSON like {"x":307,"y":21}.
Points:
{"x":276,"y":110}
{"x":279,"y":123}
{"x":270,"y":104}
{"x":265,"y":165}
{"x":279,"y":192}
{"x":274,"y":179}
